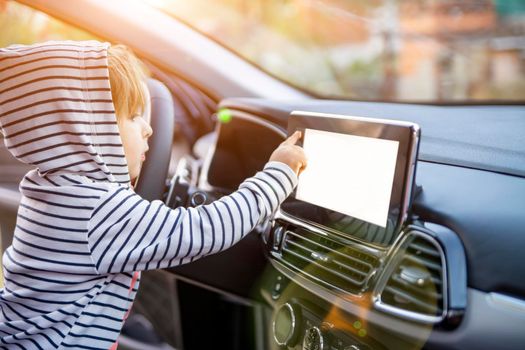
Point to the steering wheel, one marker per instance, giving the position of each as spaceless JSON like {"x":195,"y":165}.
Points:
{"x":152,"y":179}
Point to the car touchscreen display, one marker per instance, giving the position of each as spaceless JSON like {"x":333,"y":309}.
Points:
{"x":356,"y":174}
{"x":359,"y":176}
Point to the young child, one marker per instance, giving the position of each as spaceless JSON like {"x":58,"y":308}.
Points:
{"x":82,"y":233}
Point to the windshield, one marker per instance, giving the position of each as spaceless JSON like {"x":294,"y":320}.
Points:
{"x":392,"y":50}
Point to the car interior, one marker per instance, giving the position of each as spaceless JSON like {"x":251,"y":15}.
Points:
{"x":444,"y":273}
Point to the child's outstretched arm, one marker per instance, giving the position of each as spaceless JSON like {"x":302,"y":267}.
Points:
{"x":128,"y":233}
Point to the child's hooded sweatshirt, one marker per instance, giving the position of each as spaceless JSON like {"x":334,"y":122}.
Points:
{"x":81,"y":231}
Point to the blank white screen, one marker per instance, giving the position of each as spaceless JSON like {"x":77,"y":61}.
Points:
{"x":350,"y":174}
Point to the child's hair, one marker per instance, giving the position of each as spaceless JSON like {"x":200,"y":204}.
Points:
{"x":127,"y":76}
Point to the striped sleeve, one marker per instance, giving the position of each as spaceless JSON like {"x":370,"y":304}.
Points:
{"x":127,"y":233}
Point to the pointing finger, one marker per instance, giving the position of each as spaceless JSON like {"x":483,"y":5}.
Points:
{"x":292,"y":140}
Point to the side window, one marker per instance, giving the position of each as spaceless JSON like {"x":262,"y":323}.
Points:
{"x":20,"y":24}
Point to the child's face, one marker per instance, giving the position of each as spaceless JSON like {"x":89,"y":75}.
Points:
{"x":134,"y":132}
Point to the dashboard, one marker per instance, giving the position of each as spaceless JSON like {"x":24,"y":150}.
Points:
{"x":451,"y":271}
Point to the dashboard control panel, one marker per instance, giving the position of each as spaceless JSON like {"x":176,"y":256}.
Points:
{"x":299,"y":324}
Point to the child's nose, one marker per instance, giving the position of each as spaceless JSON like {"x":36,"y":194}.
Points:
{"x":147,"y":130}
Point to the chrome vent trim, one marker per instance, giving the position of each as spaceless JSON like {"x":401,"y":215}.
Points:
{"x":414,"y":285}
{"x":326,"y":260}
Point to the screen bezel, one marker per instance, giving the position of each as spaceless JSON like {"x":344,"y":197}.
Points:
{"x":406,"y":133}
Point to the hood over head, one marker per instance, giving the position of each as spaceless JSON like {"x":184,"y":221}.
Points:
{"x":56,"y":111}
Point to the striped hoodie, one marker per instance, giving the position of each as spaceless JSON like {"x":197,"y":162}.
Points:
{"x":82,"y":234}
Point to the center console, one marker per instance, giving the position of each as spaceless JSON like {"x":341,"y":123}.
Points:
{"x":348,"y":265}
{"x":343,"y":248}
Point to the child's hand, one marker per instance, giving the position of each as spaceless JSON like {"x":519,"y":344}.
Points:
{"x":291,"y":154}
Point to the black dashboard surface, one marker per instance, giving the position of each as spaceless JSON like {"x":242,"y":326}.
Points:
{"x":472,"y":172}
{"x":481,"y":137}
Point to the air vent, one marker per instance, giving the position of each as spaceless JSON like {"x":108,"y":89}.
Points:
{"x":416,"y":283}
{"x":324,"y":259}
